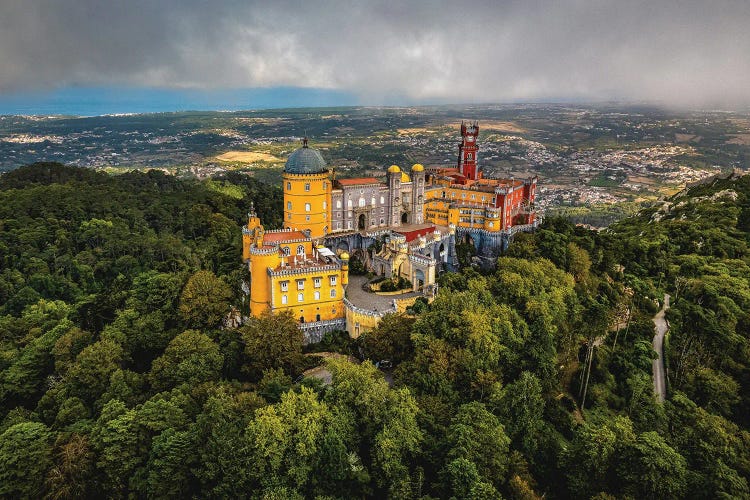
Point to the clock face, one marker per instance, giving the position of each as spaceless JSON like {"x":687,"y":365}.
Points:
{"x":470,"y":138}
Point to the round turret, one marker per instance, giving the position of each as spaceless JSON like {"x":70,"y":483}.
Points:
{"x":394,"y":169}
{"x":417,"y":168}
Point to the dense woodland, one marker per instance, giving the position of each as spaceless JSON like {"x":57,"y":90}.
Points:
{"x":119,"y":379}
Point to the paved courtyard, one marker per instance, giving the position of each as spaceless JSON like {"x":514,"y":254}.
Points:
{"x":369,"y":300}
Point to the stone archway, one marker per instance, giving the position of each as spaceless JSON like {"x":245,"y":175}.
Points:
{"x":419,"y":279}
{"x":440,"y":254}
{"x":404,"y":218}
{"x":361,"y":222}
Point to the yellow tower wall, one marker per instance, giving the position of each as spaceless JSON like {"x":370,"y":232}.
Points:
{"x":301,"y":190}
{"x":260,"y":291}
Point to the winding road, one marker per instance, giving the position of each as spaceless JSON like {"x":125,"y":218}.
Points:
{"x":661,"y":327}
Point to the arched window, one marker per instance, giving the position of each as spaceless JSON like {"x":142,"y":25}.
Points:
{"x":382,"y":200}
{"x":349,"y":203}
{"x":286,"y":250}
{"x":307,"y":207}
{"x":338,"y":203}
{"x":300,"y":250}
{"x":361,"y":202}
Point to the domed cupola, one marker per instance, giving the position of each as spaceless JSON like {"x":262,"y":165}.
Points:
{"x":305,"y":160}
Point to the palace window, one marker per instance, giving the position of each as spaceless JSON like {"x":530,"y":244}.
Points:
{"x":300,"y":250}
{"x":307,"y":186}
{"x":333,"y":280}
{"x":338,"y":203}
{"x":300,"y":297}
{"x":286,"y":250}
{"x":338,"y":225}
{"x":325,"y":205}
{"x":361,"y":202}
{"x":290,"y":216}
{"x":288,"y":186}
{"x":316,"y":295}
{"x":284,"y":286}
{"x":300,"y":284}
{"x":307,"y":207}
{"x":382,"y":200}
{"x":333,"y":293}
{"x":325,"y":186}
{"x":288,"y":205}
{"x":284,"y":299}
{"x":349,"y":225}
{"x":316,"y":282}
{"x":307,"y":218}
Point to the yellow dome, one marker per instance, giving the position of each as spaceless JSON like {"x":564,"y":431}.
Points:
{"x":417,"y":168}
{"x":344,"y":256}
{"x":405,"y":177}
{"x":393,"y":169}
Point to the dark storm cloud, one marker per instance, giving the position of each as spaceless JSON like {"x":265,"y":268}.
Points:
{"x":688,"y":52}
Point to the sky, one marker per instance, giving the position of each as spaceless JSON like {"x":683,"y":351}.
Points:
{"x":681,"y":53}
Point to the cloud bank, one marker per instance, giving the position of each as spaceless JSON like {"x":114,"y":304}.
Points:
{"x":678,"y":52}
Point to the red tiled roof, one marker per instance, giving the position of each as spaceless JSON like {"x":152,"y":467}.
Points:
{"x":416,"y":233}
{"x":358,"y":180}
{"x":283,"y":236}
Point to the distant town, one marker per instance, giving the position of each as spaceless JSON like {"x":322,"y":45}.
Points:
{"x":584,"y":156}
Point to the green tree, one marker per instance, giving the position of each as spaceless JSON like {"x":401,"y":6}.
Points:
{"x":521,"y":406}
{"x":286,"y":440}
{"x":272,"y":341}
{"x":478,"y":436}
{"x":205,"y":300}
{"x":652,"y":469}
{"x":190,"y":358}
{"x":25,"y":456}
{"x":390,"y":339}
{"x":89,"y":376}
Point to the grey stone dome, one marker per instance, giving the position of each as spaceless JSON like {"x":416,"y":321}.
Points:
{"x":305,"y":160}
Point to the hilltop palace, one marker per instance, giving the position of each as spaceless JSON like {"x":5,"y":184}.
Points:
{"x":406,"y":227}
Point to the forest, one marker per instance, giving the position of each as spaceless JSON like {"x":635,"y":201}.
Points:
{"x":121,"y":378}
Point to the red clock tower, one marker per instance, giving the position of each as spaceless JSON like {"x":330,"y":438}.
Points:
{"x":467,"y":151}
